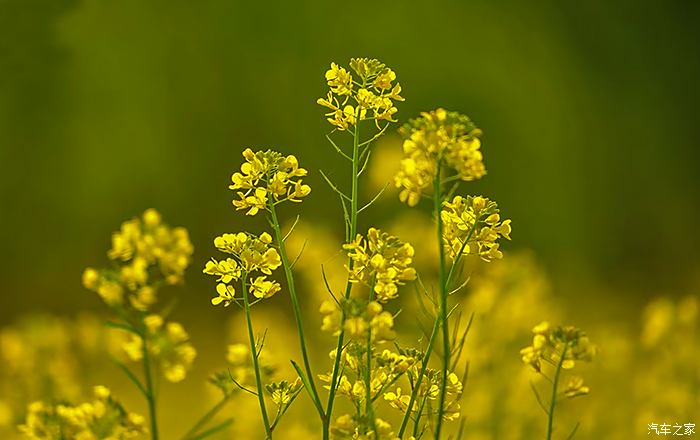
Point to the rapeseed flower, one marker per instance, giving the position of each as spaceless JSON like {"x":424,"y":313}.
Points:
{"x":438,"y":136}
{"x":380,"y":261}
{"x":371,"y":90}
{"x":268,"y":176}
{"x":472,"y":226}
{"x":148,"y":253}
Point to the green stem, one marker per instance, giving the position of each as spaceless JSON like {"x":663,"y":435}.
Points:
{"x":207,"y":417}
{"x":555,"y":384}
{"x":446,"y":354}
{"x":150,"y":397}
{"x":433,"y":334}
{"x":313,"y":393}
{"x":348,"y":286}
{"x":256,"y":365}
{"x":416,"y":425}
{"x":419,"y":379}
{"x":369,"y":407}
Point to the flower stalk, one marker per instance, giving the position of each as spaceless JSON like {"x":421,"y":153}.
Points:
{"x":150,"y":395}
{"x":555,"y":385}
{"x":348,"y":287}
{"x":446,"y":350}
{"x":309,"y":382}
{"x":256,"y":365}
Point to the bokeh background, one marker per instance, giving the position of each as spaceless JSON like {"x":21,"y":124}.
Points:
{"x":110,"y":107}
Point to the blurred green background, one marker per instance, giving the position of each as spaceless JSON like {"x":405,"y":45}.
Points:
{"x":110,"y":107}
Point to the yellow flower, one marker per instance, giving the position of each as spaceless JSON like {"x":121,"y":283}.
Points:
{"x":91,"y":278}
{"x":382,"y":260}
{"x":168,"y":344}
{"x":251,"y":253}
{"x":253,"y":202}
{"x":437,"y":136}
{"x":339,"y":80}
{"x":267,"y":176}
{"x":226,"y":295}
{"x":147,"y":252}
{"x":575,"y":387}
{"x":111,"y":293}
{"x":549,"y":344}
{"x":375,"y":93}
{"x":226,"y":270}
{"x":260,"y":288}
{"x":472,"y":226}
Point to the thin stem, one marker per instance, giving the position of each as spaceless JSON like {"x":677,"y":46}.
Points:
{"x":150,"y":397}
{"x":207,"y":417}
{"x":369,"y":407}
{"x":553,"y":401}
{"x":348,"y":287}
{"x":311,"y":388}
{"x":437,"y":199}
{"x":436,"y":326}
{"x":254,"y":354}
{"x":416,"y":425}
{"x":419,"y":379}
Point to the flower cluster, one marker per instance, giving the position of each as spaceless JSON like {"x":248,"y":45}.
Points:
{"x":437,"y":136}
{"x":250,"y":254}
{"x":141,"y":246}
{"x":560,"y":346}
{"x":351,"y":97}
{"x":168,"y":343}
{"x":429,"y":392}
{"x":472,"y":226}
{"x":102,"y":418}
{"x":361,"y":316}
{"x":381,"y":261}
{"x":265,"y":176}
{"x":388,"y":366}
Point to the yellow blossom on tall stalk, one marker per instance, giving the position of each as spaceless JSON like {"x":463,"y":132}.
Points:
{"x":471,"y":226}
{"x":148,"y":254}
{"x":440,"y":148}
{"x":250,"y":254}
{"x":368,"y":94}
{"x":267,"y":177}
{"x":553,"y":350}
{"x":438,"y":136}
{"x":382,"y":261}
